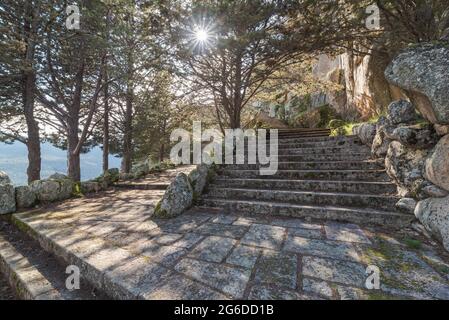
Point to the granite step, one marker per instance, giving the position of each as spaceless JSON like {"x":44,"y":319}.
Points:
{"x":358,"y":200}
{"x":317,"y":139}
{"x":325,"y":157}
{"x":324,"y":150}
{"x":318,"y":165}
{"x":343,"y":175}
{"x":360,"y":216}
{"x":379,"y":188}
{"x":35,"y":274}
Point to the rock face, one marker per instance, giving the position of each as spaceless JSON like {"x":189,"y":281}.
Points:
{"x":142,"y":168}
{"x":437,"y":165}
{"x":53,"y":189}
{"x":367,"y":133}
{"x":361,"y":88}
{"x":434,"y":192}
{"x":198,"y":178}
{"x":424,"y":72}
{"x":7,"y":195}
{"x":90,"y":187}
{"x":405,"y":167}
{"x":434,"y":215}
{"x":177,"y":198}
{"x":406,"y":205}
{"x":401,"y":111}
{"x":415,"y":136}
{"x":25,"y":197}
{"x":381,"y":142}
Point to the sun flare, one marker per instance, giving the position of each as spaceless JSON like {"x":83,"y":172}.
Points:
{"x":202,"y":35}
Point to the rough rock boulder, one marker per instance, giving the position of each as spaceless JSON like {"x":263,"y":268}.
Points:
{"x":177,"y":198}
{"x":434,"y":215}
{"x":423,"y":71}
{"x":7,"y":195}
{"x":437,"y":165}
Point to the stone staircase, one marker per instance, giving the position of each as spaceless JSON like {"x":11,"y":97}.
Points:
{"x":319,"y":177}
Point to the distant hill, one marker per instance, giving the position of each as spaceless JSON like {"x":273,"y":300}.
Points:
{"x":14,"y":161}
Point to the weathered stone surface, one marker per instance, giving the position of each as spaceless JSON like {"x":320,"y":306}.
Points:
{"x":367,"y":133}
{"x":424,"y":72}
{"x":90,"y":187}
{"x":231,"y":281}
{"x":437,"y":164}
{"x":406,"y":205}
{"x":401,"y":112}
{"x":306,"y":233}
{"x":244,"y":256}
{"x":321,"y":248}
{"x":343,"y":272}
{"x":4,"y":178}
{"x":177,"y":198}
{"x":434,"y":192}
{"x":198,"y":178}
{"x":188,"y":241}
{"x":404,"y":273}
{"x":277,"y":269}
{"x":213,"y":249}
{"x":434,"y":215}
{"x":264,"y":236}
{"x":57,"y":176}
{"x":178,"y":287}
{"x":441,"y":130}
{"x":142,"y":168}
{"x":348,"y":293}
{"x":56,"y":188}
{"x":296,"y":223}
{"x":222,"y":230}
{"x":7,"y":198}
{"x":345,"y":232}
{"x":381,"y":141}
{"x":25,"y":198}
{"x":320,"y":288}
{"x":416,"y":137}
{"x":405,"y":166}
{"x":270,"y":293}
{"x":224,"y":219}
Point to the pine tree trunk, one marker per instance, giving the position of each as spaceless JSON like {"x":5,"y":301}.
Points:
{"x":128,"y":127}
{"x":29,"y":83}
{"x":73,"y":157}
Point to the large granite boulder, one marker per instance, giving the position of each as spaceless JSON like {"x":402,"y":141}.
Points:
{"x":401,"y":112}
{"x":91,"y":187}
{"x":142,"y":168}
{"x":437,"y":164}
{"x":58,"y":187}
{"x":405,"y":167}
{"x":25,"y":197}
{"x":177,"y":198}
{"x":199,"y":178}
{"x":423,"y":71}
{"x":406,"y":205}
{"x":7,"y":195}
{"x":367,"y":132}
{"x":434,"y":215}
{"x":415,"y":136}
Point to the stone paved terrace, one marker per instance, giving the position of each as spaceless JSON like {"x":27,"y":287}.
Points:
{"x":204,"y":254}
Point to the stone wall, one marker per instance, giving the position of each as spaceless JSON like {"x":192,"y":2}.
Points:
{"x":414,"y":137}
